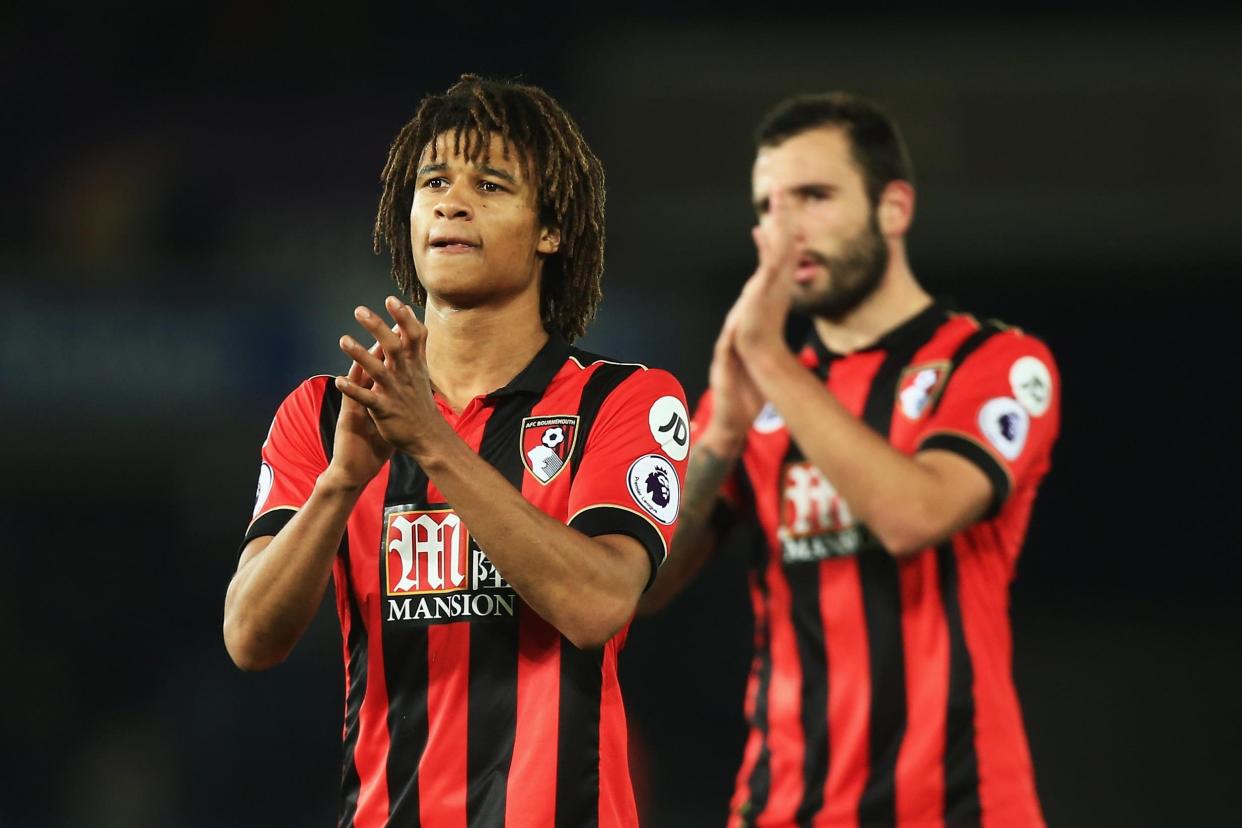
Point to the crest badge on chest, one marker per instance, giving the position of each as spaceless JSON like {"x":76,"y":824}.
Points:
{"x":547,"y":444}
{"x":920,"y":387}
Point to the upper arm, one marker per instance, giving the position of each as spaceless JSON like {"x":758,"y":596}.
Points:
{"x":963,"y":491}
{"x":1000,"y":414}
{"x":633,"y":464}
{"x":292,"y":458}
{"x":633,"y":557}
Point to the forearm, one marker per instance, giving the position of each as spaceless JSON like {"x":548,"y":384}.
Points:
{"x":585,"y":588}
{"x":276,"y":591}
{"x":899,"y":499}
{"x":711,"y":461}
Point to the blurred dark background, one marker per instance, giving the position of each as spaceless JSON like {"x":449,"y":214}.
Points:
{"x":188,"y":200}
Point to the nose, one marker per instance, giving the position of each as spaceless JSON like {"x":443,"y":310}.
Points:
{"x":452,"y":204}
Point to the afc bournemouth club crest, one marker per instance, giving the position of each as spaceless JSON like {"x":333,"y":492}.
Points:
{"x":920,"y":386}
{"x":547,"y":443}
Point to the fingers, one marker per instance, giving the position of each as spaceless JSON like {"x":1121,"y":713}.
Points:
{"x":410,"y":329}
{"x":387,"y":338}
{"x":363,"y":396}
{"x":366,"y":360}
{"x":774,"y":240}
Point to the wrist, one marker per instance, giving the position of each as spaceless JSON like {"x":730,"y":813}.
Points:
{"x":766,"y":357}
{"x":336,"y":482}
{"x":723,"y":441}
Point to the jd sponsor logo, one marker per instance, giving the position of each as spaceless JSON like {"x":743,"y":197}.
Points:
{"x":435,"y":573}
{"x":670,"y":426}
{"x":1031,"y":382}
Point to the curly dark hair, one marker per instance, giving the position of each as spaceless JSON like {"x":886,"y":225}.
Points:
{"x":569,"y":178}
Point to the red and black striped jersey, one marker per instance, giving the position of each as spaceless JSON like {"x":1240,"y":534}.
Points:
{"x":881,"y":690}
{"x":463,"y":707}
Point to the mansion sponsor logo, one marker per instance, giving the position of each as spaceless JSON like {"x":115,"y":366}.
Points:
{"x":816,"y":522}
{"x":435,"y":573}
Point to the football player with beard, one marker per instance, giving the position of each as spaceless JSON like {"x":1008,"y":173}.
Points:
{"x":892,"y":464}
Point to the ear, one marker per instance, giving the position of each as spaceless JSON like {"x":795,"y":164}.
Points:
{"x":895,"y":212}
{"x":549,"y":240}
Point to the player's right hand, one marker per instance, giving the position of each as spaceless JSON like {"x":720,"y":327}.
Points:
{"x":358,"y":450}
{"x":735,"y":399}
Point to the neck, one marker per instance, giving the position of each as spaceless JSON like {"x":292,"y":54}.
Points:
{"x":474,"y":351}
{"x":896,"y":299}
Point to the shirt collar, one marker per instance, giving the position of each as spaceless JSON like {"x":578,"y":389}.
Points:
{"x":919,"y":327}
{"x":534,"y":378}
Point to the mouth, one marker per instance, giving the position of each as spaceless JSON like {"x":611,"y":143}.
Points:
{"x":808,"y":266}
{"x":452,"y":244}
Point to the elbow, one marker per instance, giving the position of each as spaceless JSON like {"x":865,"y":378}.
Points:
{"x":907,"y":532}
{"x":248,"y":650}
{"x":594,"y":631}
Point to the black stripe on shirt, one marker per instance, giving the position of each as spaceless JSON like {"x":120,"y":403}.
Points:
{"x":808,"y":626}
{"x":491,"y":707}
{"x":967,"y":347}
{"x":603,"y":381}
{"x":961,"y":762}
{"x":759,"y":785}
{"x":577,"y":737}
{"x":405,"y":665}
{"x":881,"y":594}
{"x":357,"y":669}
{"x":329,"y":412}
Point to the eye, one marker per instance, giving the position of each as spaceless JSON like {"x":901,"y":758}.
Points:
{"x":490,"y":187}
{"x":435,"y":183}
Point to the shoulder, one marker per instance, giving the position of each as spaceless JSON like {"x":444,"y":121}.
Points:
{"x":310,"y":393}
{"x":994,"y":341}
{"x":307,"y":404}
{"x":999,"y":360}
{"x":607,"y":377}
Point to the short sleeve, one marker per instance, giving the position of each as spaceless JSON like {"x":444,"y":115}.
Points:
{"x":1000,"y":410}
{"x":293,"y":457}
{"x":633,"y":464}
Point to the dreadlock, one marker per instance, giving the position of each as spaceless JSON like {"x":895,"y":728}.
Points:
{"x":570,"y":187}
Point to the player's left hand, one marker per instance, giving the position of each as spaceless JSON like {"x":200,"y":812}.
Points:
{"x":758,"y":316}
{"x":400,"y":400}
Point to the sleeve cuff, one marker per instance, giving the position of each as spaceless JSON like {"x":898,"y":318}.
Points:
{"x":268,"y":523}
{"x":981,"y":457}
{"x":613,"y":520}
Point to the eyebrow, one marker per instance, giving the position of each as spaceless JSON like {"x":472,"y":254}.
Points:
{"x":483,"y":168}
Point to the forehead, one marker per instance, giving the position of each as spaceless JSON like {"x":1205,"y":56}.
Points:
{"x":817,"y":155}
{"x":465,"y":148}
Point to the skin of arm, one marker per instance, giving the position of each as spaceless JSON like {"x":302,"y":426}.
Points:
{"x":273,"y":596}
{"x":909,"y":503}
{"x":586,"y":587}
